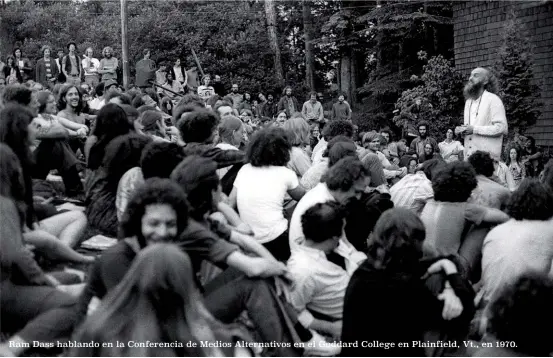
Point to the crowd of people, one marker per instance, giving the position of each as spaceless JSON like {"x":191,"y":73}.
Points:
{"x":240,"y":225}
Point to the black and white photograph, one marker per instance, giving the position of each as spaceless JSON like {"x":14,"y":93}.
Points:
{"x":276,"y":178}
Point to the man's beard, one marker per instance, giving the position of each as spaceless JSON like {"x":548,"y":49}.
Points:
{"x":234,"y":90}
{"x":472,"y":90}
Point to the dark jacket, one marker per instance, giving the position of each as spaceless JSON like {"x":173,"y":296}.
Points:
{"x":283,"y":107}
{"x":219,"y":88}
{"x":399,"y":307}
{"x":145,"y":71}
{"x":41,"y":72}
{"x":268,"y":109}
{"x":7,"y":70}
{"x":223,"y":158}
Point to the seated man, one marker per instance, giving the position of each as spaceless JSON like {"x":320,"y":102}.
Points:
{"x":448,"y":215}
{"x":320,"y":284}
{"x":488,"y":192}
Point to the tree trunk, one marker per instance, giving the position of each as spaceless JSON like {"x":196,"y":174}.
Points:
{"x":345,"y":76}
{"x":270,"y":13}
{"x":308,"y":36}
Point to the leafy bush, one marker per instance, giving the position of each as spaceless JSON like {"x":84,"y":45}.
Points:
{"x":438,"y":100}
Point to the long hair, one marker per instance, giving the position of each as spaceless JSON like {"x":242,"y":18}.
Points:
{"x":111,"y":122}
{"x":122,"y":154}
{"x":493,"y":84}
{"x":105,"y":49}
{"x":14,"y":132}
{"x":12,"y":185}
{"x":508,"y":153}
{"x":396,"y":242}
{"x":297,"y":129}
{"x":62,"y":104}
{"x":156,"y":301}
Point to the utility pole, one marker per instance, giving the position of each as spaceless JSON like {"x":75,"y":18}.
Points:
{"x":124,"y":43}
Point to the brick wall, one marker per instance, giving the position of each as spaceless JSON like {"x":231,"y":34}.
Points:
{"x":478,"y":26}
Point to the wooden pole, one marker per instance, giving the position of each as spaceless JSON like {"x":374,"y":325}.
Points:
{"x":124,"y":43}
{"x":198,"y":62}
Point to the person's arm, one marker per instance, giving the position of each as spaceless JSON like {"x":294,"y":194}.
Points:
{"x":233,"y":218}
{"x":232,"y":198}
{"x":62,"y":65}
{"x":114,"y":70}
{"x":498,"y":125}
{"x":101,"y":67}
{"x":70,"y":124}
{"x":348,"y":112}
{"x":38,"y":72}
{"x":321,"y":113}
{"x":304,"y":110}
{"x":333,"y":113}
{"x":297,"y":193}
{"x":55,"y":131}
{"x":478,"y":213}
{"x":251,"y":245}
{"x":255,"y":266}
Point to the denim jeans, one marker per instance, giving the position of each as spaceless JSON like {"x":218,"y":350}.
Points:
{"x":37,"y":312}
{"x":227,"y":296}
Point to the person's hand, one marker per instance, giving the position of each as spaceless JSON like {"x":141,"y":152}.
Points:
{"x":452,"y":304}
{"x":335,"y":329}
{"x":383,"y":189}
{"x":244,"y":229}
{"x":469,"y":130}
{"x":81,"y":132}
{"x":444,"y":265}
{"x":402,"y":172}
{"x":460,"y":130}
{"x":269,"y":268}
{"x":52,"y":280}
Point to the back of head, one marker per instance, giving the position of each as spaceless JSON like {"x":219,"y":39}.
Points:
{"x":14,"y":132}
{"x":111,"y":122}
{"x":298,"y":131}
{"x":183,"y":109}
{"x":521,"y":311}
{"x":198,"y":126}
{"x":269,"y":147}
{"x":344,"y":174}
{"x":42,"y":98}
{"x":122,"y":97}
{"x":454,"y":182}
{"x":229,"y":124}
{"x":531,"y":201}
{"x":396,"y":241}
{"x":131,"y":112}
{"x":336,"y":128}
{"x":323,"y":221}
{"x":197,"y":176}
{"x":99,"y":89}
{"x":341,"y":150}
{"x":150,"y":120}
{"x":191,"y":99}
{"x":431,"y":167}
{"x":159,"y":159}
{"x":122,"y":154}
{"x":482,"y":163}
{"x":17,"y":94}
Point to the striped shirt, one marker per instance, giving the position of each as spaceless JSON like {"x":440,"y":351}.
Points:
{"x":412,"y":192}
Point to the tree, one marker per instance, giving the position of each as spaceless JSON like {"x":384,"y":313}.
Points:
{"x":273,"y":38}
{"x":308,"y":36}
{"x":437,"y":100}
{"x":520,"y":94}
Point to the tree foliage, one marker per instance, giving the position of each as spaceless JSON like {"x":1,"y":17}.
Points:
{"x":520,"y":94}
{"x":437,"y":100}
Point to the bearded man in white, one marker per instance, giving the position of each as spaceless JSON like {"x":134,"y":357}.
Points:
{"x":485,"y":123}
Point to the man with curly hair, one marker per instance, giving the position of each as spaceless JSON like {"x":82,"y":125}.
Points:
{"x":448,"y":215}
{"x":485,"y":122}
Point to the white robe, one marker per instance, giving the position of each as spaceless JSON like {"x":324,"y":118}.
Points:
{"x":490,"y":125}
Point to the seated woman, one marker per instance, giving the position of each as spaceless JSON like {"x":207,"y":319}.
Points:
{"x":429,"y":154}
{"x":522,"y":244}
{"x":261,"y":186}
{"x":17,"y":132}
{"x":519,"y":319}
{"x":122,"y":154}
{"x":386,"y":301}
{"x":298,"y":132}
{"x":31,"y":302}
{"x":159,"y":288}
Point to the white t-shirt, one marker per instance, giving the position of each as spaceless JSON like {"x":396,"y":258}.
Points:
{"x":319,"y":194}
{"x":260,"y":195}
